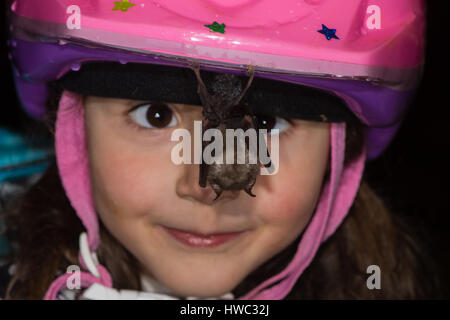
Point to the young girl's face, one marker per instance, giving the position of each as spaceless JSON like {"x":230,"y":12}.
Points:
{"x":138,"y":191}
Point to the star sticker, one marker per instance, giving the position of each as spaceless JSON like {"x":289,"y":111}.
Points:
{"x":123,"y":5}
{"x":329,"y":33}
{"x":216,"y":27}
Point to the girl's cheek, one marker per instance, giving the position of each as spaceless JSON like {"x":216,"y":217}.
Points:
{"x":291,"y":195}
{"x":141,"y":189}
{"x":127,"y":181}
{"x":288,"y":207}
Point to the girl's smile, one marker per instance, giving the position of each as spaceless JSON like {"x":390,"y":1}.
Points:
{"x":200,"y":241}
{"x":139,"y":193}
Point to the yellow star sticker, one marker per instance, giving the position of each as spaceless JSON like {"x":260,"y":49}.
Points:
{"x":123,"y":5}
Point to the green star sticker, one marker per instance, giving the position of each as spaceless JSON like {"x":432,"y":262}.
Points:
{"x":216,"y":27}
{"x":123,"y":5}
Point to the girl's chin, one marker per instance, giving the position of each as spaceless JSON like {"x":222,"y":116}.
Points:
{"x":192,"y":290}
{"x":189,"y":281}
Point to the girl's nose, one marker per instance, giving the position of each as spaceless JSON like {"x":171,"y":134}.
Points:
{"x":188,"y":187}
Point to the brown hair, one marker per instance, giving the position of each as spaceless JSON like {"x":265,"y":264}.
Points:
{"x":45,"y":229}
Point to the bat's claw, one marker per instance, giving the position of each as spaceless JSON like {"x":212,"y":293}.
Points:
{"x":194,"y":65}
{"x":269,"y":164}
{"x":217,"y":195}
{"x":217,"y":189}
{"x":249,"y":191}
{"x":250,"y":70}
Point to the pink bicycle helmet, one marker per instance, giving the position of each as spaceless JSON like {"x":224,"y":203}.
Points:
{"x":368,"y":53}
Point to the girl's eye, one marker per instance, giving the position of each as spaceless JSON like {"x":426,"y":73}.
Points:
{"x":269,"y":123}
{"x":154,"y":115}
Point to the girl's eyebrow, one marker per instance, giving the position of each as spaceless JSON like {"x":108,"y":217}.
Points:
{"x":132,"y":102}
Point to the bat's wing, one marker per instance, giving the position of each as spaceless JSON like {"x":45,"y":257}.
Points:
{"x":202,"y":91}
{"x":251,"y":73}
{"x":203,"y":166}
{"x":203,"y":174}
{"x":255,"y":125}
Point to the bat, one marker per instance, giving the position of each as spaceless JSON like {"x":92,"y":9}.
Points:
{"x":223,"y":110}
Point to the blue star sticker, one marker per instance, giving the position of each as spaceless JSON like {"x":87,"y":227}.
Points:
{"x":329,"y":33}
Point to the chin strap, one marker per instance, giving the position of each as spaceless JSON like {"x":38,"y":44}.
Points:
{"x":97,"y":273}
{"x":73,"y":166}
{"x":99,"y":286}
{"x":100,"y":292}
{"x":335,"y":201}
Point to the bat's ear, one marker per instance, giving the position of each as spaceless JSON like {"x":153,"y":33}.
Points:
{"x":196,"y":67}
{"x":202,"y":90}
{"x":251,"y":73}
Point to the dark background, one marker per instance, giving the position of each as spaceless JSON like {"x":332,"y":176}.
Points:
{"x":412,"y":176}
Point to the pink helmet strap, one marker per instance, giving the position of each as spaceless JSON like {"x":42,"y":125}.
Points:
{"x":73,"y":162}
{"x":335,"y":201}
{"x":73,"y":165}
